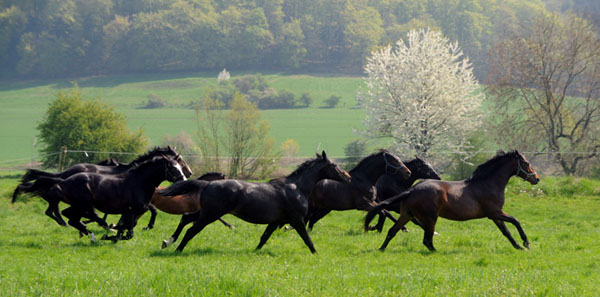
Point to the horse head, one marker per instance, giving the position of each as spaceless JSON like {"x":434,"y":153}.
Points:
{"x":423,"y":169}
{"x":524,"y":169}
{"x":332,"y":170}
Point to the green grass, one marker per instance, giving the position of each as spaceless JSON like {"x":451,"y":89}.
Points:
{"x":41,"y":258}
{"x":23,"y":104}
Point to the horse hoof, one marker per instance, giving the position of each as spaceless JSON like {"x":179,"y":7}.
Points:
{"x":526,"y":244}
{"x":166,"y":243}
{"x":93,"y":238}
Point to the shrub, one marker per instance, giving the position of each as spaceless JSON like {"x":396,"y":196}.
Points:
{"x":332,"y":101}
{"x":87,"y":125}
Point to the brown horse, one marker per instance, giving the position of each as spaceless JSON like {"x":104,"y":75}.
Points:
{"x":479,"y":196}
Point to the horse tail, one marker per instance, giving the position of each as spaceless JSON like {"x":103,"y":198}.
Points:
{"x":39,"y":187}
{"x":32,"y":174}
{"x":184,"y":187}
{"x":387,"y":204}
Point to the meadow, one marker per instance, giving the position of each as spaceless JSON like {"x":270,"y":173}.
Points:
{"x":23,"y":104}
{"x":560,"y":216}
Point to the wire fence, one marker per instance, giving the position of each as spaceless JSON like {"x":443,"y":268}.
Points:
{"x":445,"y":162}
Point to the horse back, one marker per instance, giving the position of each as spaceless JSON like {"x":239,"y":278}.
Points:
{"x":259,"y":203}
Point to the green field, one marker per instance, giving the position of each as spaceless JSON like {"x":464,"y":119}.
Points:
{"x":23,"y":104}
{"x":560,"y":217}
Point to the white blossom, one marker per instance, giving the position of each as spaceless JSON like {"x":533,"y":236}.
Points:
{"x":223,"y":76}
{"x":422,"y":94}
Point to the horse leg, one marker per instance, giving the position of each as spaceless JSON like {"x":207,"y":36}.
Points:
{"x":195,"y":229}
{"x":299,"y":226}
{"x":93,"y":216}
{"x":266,"y":235}
{"x":506,"y":233}
{"x":226,"y":224}
{"x":74,"y":217}
{"x":317,"y":215}
{"x":429,"y":228}
{"x":381,"y":221}
{"x":392,"y":232}
{"x":508,"y":218}
{"x":185,"y":219}
{"x":51,"y":212}
{"x":152,"y":210}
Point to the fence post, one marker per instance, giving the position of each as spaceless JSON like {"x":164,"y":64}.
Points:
{"x":63,"y":157}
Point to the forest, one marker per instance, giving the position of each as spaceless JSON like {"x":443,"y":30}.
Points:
{"x":70,"y":38}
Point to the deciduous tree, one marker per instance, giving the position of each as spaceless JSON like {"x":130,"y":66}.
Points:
{"x":545,"y":85}
{"x":88,"y":125}
{"x":422,"y":94}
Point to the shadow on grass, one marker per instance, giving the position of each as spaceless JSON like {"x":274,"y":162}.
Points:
{"x":166,"y":253}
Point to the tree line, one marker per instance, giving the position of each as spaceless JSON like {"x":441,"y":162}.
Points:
{"x":65,"y":38}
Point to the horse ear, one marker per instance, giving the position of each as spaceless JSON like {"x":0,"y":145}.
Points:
{"x":319,"y":156}
{"x":324,"y":155}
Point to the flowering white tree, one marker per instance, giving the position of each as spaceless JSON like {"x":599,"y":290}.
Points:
{"x":422,"y":94}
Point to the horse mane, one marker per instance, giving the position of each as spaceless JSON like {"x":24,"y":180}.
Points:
{"x":369,"y":157}
{"x":137,"y":165}
{"x":154,"y":152}
{"x":214,"y":174}
{"x":489,"y":166}
{"x":304,"y":166}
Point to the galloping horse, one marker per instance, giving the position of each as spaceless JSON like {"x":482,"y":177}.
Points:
{"x":180,"y":204}
{"x":479,"y":196}
{"x":53,"y":211}
{"x":389,"y":185}
{"x":275,"y":203}
{"x":331,"y":195}
{"x":127,"y":194}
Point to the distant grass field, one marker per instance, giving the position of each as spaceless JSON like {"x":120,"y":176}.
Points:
{"x":560,"y":216}
{"x":23,"y":104}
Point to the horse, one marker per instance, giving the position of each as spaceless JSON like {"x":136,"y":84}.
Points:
{"x":360,"y":194}
{"x":389,"y":185}
{"x":111,"y":167}
{"x":180,"y":204}
{"x":53,"y":211}
{"x":479,"y":196}
{"x":127,"y":194}
{"x":275,"y":203}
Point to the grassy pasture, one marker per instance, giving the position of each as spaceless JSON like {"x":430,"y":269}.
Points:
{"x":23,"y":104}
{"x":560,"y":217}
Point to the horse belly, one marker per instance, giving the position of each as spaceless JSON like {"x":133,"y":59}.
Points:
{"x":259,"y":212}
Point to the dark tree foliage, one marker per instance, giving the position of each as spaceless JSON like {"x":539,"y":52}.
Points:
{"x":58,"y":38}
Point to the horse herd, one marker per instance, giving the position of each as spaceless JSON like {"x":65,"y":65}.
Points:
{"x":378,"y":184}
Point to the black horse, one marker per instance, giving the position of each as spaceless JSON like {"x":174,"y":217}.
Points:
{"x":53,"y":211}
{"x":275,"y":203}
{"x":331,"y":195}
{"x":180,"y":204}
{"x":479,"y":196}
{"x":109,"y":166}
{"x":127,"y":194}
{"x":389,"y":185}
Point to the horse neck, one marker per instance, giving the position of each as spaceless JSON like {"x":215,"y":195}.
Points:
{"x":150,"y":174}
{"x":305,"y":181}
{"x":500,"y":177}
{"x":368,"y":172}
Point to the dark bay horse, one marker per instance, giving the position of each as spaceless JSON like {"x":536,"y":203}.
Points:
{"x":127,"y":194}
{"x":53,"y":211}
{"x":479,"y":196}
{"x":331,"y":195}
{"x":389,"y":185}
{"x":275,"y":203}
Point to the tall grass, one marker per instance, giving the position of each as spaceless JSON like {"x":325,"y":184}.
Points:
{"x":41,"y":258}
